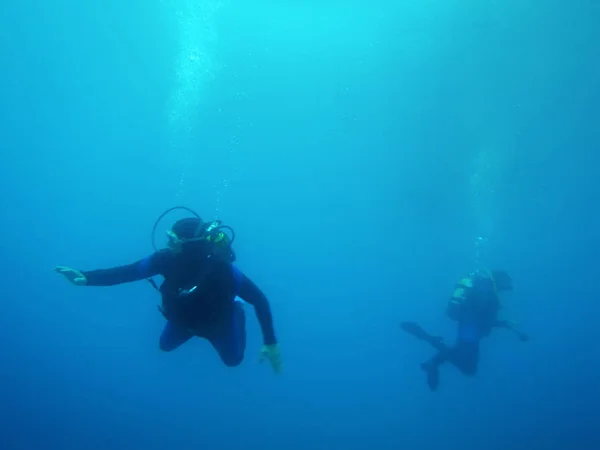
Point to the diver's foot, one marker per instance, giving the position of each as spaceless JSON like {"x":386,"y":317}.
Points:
{"x":433,"y":375}
{"x":411,"y":327}
{"x":437,"y":342}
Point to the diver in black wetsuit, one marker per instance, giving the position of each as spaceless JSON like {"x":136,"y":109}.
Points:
{"x":474,"y":305}
{"x":199,"y":291}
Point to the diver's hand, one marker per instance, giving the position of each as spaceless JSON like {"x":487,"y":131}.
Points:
{"x":513,"y":325}
{"x":523,"y":337}
{"x":273,"y":355}
{"x":72,"y":275}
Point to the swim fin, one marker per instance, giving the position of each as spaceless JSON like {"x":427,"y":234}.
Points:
{"x":415,"y":329}
{"x":433,"y":375}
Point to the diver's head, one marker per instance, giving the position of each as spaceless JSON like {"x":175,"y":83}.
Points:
{"x":184,"y":230}
{"x":502,"y":280}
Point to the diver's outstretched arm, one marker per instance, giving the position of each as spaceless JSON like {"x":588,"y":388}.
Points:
{"x":512,"y":325}
{"x":148,"y":267}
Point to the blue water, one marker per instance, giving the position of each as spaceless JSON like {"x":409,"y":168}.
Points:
{"x":368,"y":154}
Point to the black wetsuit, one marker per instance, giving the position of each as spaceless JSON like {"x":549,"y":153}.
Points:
{"x":198,"y":299}
{"x":465,"y":352}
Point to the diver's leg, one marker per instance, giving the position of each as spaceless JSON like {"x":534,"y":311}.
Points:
{"x":465,"y":356}
{"x":230,"y":338}
{"x":415,"y":329}
{"x":172,"y":337}
{"x":431,"y":367}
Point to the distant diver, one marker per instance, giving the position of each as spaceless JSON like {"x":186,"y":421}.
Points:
{"x":474,"y":305}
{"x":199,"y":292}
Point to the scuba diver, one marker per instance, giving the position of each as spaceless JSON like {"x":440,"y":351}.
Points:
{"x":474,"y":305}
{"x":200,"y":289}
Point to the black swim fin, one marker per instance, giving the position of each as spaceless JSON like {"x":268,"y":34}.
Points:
{"x":415,"y":329}
{"x":433,"y":376}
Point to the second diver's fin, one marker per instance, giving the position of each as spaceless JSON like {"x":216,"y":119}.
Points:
{"x":415,"y":329}
{"x":433,"y":375}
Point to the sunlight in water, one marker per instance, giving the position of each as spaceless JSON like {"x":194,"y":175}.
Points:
{"x":482,"y":200}
{"x":489,"y":169}
{"x":196,"y":67}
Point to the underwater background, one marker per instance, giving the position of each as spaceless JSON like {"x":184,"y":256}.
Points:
{"x":367,"y":154}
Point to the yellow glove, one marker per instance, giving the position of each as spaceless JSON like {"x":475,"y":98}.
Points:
{"x":271,"y":353}
{"x":73,"y":276}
